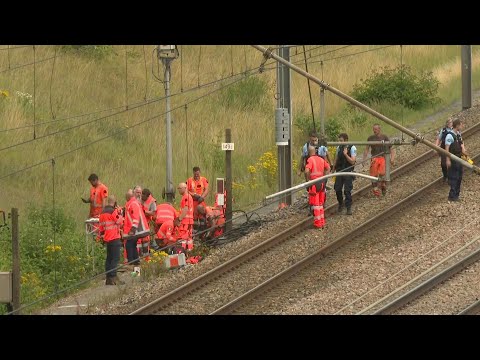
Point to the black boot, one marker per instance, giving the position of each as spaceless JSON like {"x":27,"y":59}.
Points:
{"x":349,"y":211}
{"x":340,"y":208}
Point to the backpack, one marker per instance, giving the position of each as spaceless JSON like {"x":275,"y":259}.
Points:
{"x":444,"y":133}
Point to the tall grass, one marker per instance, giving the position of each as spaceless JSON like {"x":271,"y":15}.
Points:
{"x":82,"y":84}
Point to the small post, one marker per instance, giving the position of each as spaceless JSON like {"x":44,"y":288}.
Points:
{"x":15,"y":262}
{"x":387,"y":162}
{"x":228,"y":181}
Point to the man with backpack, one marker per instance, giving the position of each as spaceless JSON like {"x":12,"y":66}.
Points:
{"x":345,"y":158}
{"x":440,"y":141}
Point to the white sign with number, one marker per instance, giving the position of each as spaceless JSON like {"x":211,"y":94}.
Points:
{"x":227,"y":146}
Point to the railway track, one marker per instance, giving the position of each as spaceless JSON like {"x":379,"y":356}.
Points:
{"x":172,"y":302}
{"x":427,"y":285}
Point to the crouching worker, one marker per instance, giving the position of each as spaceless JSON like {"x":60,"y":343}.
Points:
{"x":110,"y":223}
{"x":214,"y":221}
{"x":315,"y":168}
{"x":167,"y":236}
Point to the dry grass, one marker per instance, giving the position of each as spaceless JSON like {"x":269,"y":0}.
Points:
{"x":81,"y":85}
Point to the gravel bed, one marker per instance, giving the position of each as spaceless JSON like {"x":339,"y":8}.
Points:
{"x":372,"y":258}
{"x":143,"y":292}
{"x":450,"y":297}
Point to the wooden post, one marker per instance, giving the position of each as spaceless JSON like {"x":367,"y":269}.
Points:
{"x":16,"y":262}
{"x":228,"y":182}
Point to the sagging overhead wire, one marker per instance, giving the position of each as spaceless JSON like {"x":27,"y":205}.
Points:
{"x":133,"y":105}
{"x":124,"y":129}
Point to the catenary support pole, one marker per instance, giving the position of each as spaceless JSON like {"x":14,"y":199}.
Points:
{"x":418,"y":138}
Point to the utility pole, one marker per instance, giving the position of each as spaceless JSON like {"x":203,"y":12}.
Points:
{"x":283,"y":122}
{"x":168,"y":53}
{"x":416,"y":136}
{"x":466,"y":77}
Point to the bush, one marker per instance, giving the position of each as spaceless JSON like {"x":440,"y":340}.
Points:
{"x":332,"y":129}
{"x":45,"y":266}
{"x":398,"y":86}
{"x":305,"y":124}
{"x":247,"y":94}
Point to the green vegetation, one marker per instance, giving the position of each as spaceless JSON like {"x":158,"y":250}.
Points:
{"x":52,"y":253}
{"x":398,"y":86}
{"x":89,"y":79}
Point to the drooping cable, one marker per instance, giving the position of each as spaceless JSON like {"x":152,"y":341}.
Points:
{"x":309,"y":88}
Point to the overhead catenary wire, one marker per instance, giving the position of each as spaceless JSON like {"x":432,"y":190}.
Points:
{"x":352,"y":54}
{"x":8,"y":48}
{"x":152,"y":100}
{"x":28,"y":64}
{"x":51,"y":82}
{"x":120,"y":130}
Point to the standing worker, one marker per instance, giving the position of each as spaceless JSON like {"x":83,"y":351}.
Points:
{"x":316,"y":167}
{"x":135,"y":223}
{"x":149,"y":205}
{"x":345,"y":159}
{"x":197,"y":187}
{"x":454,"y":145}
{"x":440,"y":141}
{"x":109,"y":230}
{"x":98,"y":196}
{"x":377,"y":161}
{"x":185,"y":220}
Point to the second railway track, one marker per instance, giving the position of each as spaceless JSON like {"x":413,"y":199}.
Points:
{"x":211,"y":291}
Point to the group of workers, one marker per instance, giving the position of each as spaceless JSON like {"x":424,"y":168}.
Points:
{"x":130,"y":225}
{"x":315,"y":162}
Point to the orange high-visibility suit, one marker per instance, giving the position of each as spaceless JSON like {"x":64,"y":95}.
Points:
{"x":316,"y":196}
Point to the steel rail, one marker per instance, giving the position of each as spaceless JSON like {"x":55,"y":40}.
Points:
{"x":230,"y":265}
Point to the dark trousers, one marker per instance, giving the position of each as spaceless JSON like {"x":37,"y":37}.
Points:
{"x":455,"y":174}
{"x":113,"y":257}
{"x":443,"y":163}
{"x":132,"y":253}
{"x":345,"y":182}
